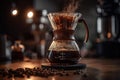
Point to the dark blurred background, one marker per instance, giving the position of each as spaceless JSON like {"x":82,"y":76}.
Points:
{"x":16,"y":25}
{"x":102,"y":17}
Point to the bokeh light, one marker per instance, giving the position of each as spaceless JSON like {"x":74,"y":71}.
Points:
{"x":30,"y":14}
{"x":14,"y":12}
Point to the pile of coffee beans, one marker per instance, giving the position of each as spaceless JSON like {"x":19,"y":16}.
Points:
{"x":37,"y":71}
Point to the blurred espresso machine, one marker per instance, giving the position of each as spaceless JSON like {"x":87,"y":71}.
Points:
{"x":108,"y":29}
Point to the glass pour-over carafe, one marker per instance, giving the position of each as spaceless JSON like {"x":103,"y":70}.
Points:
{"x":64,"y":49}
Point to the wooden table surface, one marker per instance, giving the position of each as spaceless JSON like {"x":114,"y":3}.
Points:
{"x":97,"y":69}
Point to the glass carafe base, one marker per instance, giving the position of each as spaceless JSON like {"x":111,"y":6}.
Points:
{"x":63,"y":57}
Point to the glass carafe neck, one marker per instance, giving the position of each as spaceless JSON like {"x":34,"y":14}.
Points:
{"x":63,"y":34}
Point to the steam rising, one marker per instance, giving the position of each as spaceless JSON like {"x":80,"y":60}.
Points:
{"x":71,"y":5}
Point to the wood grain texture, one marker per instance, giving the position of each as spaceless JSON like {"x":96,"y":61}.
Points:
{"x":97,"y":69}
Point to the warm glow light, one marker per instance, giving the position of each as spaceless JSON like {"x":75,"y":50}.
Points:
{"x":30,"y":14}
{"x":29,"y":79}
{"x":14,"y":12}
{"x":98,"y":40}
{"x":53,"y":78}
{"x":109,"y":35}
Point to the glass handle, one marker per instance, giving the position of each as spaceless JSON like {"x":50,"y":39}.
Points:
{"x":86,"y":27}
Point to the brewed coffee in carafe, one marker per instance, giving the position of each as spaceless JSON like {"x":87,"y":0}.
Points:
{"x":64,"y":49}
